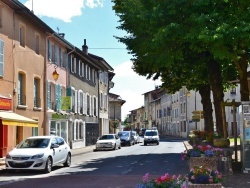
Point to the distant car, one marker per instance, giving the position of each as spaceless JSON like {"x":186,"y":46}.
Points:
{"x":136,"y":137}
{"x":39,"y":153}
{"x":126,"y":138}
{"x":108,"y":142}
{"x":151,"y":136}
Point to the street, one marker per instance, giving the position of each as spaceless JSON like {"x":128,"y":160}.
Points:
{"x":107,"y":169}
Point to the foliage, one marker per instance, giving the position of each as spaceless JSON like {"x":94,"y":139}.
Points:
{"x":199,"y":150}
{"x":204,"y":175}
{"x":165,"y":181}
{"x":206,"y":135}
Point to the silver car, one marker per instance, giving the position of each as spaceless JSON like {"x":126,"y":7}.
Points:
{"x":39,"y":153}
{"x":108,"y":142}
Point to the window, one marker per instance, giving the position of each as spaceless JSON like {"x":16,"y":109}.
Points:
{"x":22,"y":35}
{"x":73,"y":64}
{"x":233,"y":90}
{"x":93,"y":75}
{"x":58,"y":96}
{"x":1,"y":58}
{"x":37,"y":43}
{"x":78,"y":130}
{"x":101,"y":100}
{"x":34,"y":131}
{"x":87,"y":75}
{"x":60,"y":57}
{"x":84,"y":103}
{"x":80,"y":101}
{"x":55,"y":54}
{"x":88,"y":105}
{"x":65,"y":59}
{"x":49,"y":51}
{"x":37,"y":99}
{"x":81,"y":68}
{"x":21,"y":89}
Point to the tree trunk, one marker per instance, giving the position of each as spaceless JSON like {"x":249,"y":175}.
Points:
{"x":204,"y":91}
{"x":242,"y":69}
{"x":215,"y":80}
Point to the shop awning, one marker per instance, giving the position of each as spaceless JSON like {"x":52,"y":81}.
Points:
{"x":11,"y":118}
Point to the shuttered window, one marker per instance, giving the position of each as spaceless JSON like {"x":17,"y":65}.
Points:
{"x":49,"y":105}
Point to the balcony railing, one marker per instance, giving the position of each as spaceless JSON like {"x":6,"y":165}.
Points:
{"x":21,"y":99}
{"x":37,"y":102}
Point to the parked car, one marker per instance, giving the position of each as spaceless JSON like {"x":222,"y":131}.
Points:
{"x":136,"y":137}
{"x":39,"y":153}
{"x":126,"y":138}
{"x":108,"y":142}
{"x":151,"y":136}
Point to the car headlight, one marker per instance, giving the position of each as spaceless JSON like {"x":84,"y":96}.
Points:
{"x":37,"y":156}
{"x":8,"y":156}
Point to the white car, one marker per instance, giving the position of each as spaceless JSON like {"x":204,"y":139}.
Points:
{"x":39,"y":153}
{"x":108,"y":142}
{"x":136,"y":137}
{"x":151,"y":136}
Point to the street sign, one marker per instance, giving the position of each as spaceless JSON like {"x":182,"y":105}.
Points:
{"x":198,"y":112}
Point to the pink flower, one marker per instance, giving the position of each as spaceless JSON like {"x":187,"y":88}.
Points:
{"x":145,"y":177}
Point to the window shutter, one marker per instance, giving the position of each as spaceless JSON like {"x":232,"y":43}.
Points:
{"x":71,"y":63}
{"x":49,"y":51}
{"x":74,"y":65}
{"x":96,"y":108}
{"x":59,"y":102}
{"x":60,"y":57}
{"x":76,"y":96}
{"x":90,"y":106}
{"x":84,"y":103}
{"x":78,"y":102}
{"x":1,"y":58}
{"x":48,"y":96}
{"x":75,"y":124}
{"x":65,"y":60}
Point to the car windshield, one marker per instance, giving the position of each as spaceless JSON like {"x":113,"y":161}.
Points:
{"x":123,"y":134}
{"x":106,"y":137}
{"x":151,"y":133}
{"x":34,"y":143}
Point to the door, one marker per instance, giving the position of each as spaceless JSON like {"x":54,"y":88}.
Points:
{"x":19,"y":134}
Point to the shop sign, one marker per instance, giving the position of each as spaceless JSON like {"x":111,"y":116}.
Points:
{"x":5,"y":104}
{"x":66,"y":103}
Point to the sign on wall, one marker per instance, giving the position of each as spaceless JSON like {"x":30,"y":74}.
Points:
{"x":5,"y":104}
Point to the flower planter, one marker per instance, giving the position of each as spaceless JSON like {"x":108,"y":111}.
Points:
{"x":201,"y":161}
{"x":212,"y":185}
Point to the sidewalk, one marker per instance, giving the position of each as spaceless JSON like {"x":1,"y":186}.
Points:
{"x":74,"y":152}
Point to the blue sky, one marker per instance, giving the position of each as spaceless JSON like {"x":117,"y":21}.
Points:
{"x":95,"y":21}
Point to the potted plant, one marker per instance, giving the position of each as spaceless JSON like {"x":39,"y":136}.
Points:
{"x":165,"y":181}
{"x":204,"y":175}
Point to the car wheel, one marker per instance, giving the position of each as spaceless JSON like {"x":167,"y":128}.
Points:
{"x":119,"y":146}
{"x":114,"y":147}
{"x":48,"y":166}
{"x":145,"y":143}
{"x":67,"y":163}
{"x":157,"y":143}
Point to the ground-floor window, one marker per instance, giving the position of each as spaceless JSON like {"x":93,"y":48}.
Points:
{"x":34,"y":131}
{"x":58,"y":128}
{"x":78,"y":131}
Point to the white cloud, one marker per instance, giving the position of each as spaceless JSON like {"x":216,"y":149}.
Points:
{"x":63,"y":10}
{"x":131,"y":87}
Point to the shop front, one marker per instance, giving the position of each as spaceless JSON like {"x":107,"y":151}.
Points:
{"x":8,"y":119}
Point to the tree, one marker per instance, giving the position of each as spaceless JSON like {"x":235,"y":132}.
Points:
{"x":164,"y":35}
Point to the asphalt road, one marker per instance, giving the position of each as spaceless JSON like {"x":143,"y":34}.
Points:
{"x":122,"y":168}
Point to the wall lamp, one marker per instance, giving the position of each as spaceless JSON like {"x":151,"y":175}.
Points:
{"x":55,"y":73}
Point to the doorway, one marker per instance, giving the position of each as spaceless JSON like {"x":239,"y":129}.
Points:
{"x":19,"y":134}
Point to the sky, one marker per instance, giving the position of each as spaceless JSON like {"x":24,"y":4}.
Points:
{"x":95,"y":21}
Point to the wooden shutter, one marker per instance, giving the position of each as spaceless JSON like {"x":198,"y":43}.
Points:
{"x":48,"y":96}
{"x":76,"y":105}
{"x":96,"y":108}
{"x":75,"y":124}
{"x":49,"y":51}
{"x":78,"y":102}
{"x":84,"y":103}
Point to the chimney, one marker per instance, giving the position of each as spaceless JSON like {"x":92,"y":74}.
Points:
{"x":61,"y":34}
{"x":85,"y":47}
